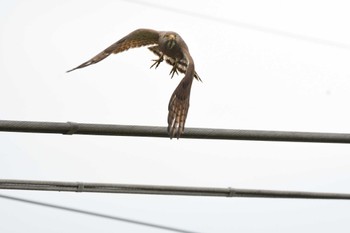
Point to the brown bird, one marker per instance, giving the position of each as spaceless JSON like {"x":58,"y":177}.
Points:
{"x":168,"y":46}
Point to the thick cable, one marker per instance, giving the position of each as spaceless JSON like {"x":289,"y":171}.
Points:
{"x":157,"y":131}
{"x":162,"y":190}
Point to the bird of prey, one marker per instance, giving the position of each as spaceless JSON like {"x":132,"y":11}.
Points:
{"x":168,"y":46}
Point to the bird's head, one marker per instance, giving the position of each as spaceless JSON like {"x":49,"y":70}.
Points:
{"x":170,"y":40}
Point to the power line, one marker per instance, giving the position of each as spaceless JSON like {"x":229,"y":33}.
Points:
{"x":162,"y":190}
{"x":243,"y":25}
{"x":71,"y":128}
{"x":94,"y":214}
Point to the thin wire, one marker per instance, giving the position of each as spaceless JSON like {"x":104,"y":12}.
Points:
{"x":163,"y":190}
{"x":94,"y":214}
{"x":243,"y":25}
{"x":71,"y":128}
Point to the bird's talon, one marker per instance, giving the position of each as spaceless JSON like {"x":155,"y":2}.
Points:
{"x":173,"y":71}
{"x":157,"y":62}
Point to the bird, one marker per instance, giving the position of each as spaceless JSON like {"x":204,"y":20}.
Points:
{"x":168,"y":46}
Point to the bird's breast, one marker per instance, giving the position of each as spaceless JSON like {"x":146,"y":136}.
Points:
{"x":173,"y":52}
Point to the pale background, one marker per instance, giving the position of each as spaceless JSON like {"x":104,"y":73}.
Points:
{"x":271,"y":65}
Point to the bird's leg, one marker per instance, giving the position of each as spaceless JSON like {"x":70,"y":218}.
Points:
{"x":174,"y":69}
{"x":157,"y":61}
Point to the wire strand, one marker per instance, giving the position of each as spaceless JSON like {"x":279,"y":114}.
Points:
{"x":94,"y":214}
{"x":243,"y":25}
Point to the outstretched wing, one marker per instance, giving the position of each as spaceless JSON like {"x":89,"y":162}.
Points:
{"x":180,"y":100}
{"x":181,"y":65}
{"x":178,"y":107}
{"x":137,"y":38}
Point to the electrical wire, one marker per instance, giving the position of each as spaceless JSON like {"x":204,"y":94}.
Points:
{"x":94,"y":214}
{"x":162,"y":190}
{"x":242,"y":24}
{"x":70,"y":128}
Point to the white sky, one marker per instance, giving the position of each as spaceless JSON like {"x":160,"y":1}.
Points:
{"x":273,"y":65}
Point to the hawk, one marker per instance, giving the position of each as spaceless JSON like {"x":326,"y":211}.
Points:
{"x":168,"y":46}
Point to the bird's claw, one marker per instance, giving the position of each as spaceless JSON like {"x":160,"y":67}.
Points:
{"x":173,"y":71}
{"x":157,"y":62}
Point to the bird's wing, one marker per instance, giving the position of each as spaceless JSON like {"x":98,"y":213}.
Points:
{"x":181,"y":65}
{"x":178,"y":107}
{"x":137,"y":38}
{"x":180,"y":101}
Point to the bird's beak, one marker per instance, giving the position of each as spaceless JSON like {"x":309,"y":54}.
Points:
{"x":172,"y":37}
{"x":171,"y":41}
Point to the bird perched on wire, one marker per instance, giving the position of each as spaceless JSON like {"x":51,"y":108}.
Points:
{"x":168,"y":46}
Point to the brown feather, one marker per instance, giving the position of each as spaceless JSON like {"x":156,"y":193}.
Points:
{"x":137,"y":38}
{"x":179,"y":105}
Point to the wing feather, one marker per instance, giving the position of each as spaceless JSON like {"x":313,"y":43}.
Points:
{"x":137,"y":38}
{"x":178,"y":107}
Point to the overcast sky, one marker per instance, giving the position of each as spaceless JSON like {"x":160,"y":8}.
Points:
{"x":269,"y":65}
